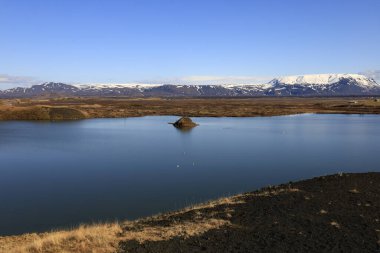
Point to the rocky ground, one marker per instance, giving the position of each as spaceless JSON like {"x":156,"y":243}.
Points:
{"x":339,"y":213}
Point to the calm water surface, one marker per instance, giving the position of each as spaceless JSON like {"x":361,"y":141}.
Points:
{"x":60,"y":174}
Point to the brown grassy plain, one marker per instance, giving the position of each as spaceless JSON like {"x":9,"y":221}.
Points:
{"x":81,"y":108}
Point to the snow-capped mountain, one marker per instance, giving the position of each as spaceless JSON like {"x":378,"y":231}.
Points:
{"x":324,"y":84}
{"x":325,"y":79}
{"x":305,"y":85}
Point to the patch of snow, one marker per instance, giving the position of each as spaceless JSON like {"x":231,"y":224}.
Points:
{"x":99,"y":86}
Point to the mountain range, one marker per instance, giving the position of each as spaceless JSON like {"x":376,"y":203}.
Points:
{"x":305,"y":85}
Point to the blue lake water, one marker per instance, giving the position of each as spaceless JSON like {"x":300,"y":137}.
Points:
{"x":59,"y":174}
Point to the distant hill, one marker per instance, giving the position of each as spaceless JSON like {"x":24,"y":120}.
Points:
{"x":306,"y":85}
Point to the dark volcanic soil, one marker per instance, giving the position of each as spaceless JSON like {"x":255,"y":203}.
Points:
{"x":338,"y":213}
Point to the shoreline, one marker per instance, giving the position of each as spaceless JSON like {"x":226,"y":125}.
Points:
{"x":56,"y":109}
{"x":332,"y":213}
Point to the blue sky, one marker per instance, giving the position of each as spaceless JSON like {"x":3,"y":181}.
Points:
{"x":189,"y":40}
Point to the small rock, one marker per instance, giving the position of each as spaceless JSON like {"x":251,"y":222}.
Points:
{"x":355,"y":191}
{"x":335,"y":224}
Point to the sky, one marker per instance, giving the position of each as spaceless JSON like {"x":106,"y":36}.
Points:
{"x":185,"y":41}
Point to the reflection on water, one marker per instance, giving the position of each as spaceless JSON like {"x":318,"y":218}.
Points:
{"x":184,"y":130}
{"x":58,"y":174}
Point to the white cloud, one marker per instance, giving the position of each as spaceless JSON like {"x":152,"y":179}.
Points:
{"x":10,"y":81}
{"x":374,"y":74}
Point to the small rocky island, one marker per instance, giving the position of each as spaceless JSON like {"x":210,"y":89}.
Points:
{"x":184,"y":123}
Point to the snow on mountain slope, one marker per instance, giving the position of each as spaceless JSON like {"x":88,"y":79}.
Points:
{"x":325,"y":79}
{"x":303,"y":85}
{"x":248,"y":86}
{"x":99,"y":86}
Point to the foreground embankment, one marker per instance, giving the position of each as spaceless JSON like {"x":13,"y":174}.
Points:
{"x":81,"y":108}
{"x":337,"y":213}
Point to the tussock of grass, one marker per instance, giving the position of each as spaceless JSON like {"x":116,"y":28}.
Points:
{"x":182,"y":229}
{"x":354,"y":191}
{"x":274,"y":192}
{"x":222,"y":201}
{"x":335,"y":224}
{"x":95,"y":239}
{"x":102,"y":238}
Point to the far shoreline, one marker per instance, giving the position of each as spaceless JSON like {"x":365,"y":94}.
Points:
{"x":56,"y":109}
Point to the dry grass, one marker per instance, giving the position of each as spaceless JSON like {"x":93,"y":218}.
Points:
{"x":275,"y":191}
{"x":183,"y":229}
{"x":237,"y":199}
{"x":35,"y":109}
{"x":85,"y":239}
{"x":335,"y":224}
{"x":140,"y":232}
{"x":102,"y":238}
{"x":354,"y":191}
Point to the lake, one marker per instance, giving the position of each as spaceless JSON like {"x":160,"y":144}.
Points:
{"x":60,"y":174}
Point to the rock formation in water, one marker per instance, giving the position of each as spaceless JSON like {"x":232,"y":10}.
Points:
{"x":184,"y":122}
